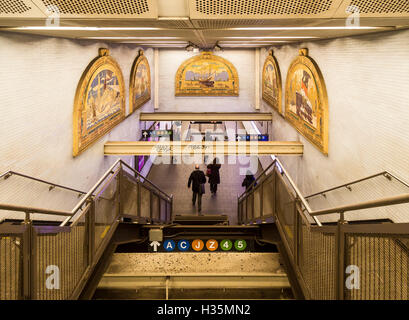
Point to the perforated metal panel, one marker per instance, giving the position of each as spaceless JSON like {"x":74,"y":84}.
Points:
{"x":22,"y":8}
{"x":96,"y":8}
{"x":222,"y":24}
{"x":375,"y":8}
{"x":262,"y":8}
{"x":382,"y":6}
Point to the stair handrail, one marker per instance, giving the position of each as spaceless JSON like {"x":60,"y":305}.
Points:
{"x":383,"y":173}
{"x":387,"y":201}
{"x":10,"y":173}
{"x":90,"y":193}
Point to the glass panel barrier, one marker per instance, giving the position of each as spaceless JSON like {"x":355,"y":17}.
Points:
{"x":249,"y":207}
{"x":163,"y":210}
{"x":106,"y":208}
{"x":155,"y":207}
{"x":268,"y":196}
{"x":129,"y":195}
{"x":257,"y":202}
{"x":285,"y":208}
{"x":145,"y":202}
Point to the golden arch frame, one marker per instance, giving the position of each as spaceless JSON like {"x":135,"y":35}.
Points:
{"x":134,"y":105}
{"x":275,"y":103}
{"x":317,"y":136}
{"x":195,"y":88}
{"x":84,"y":137}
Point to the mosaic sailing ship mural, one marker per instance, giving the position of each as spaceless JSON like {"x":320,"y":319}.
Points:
{"x":140,"y":83}
{"x":99,"y":101}
{"x":207,"y":75}
{"x":306,"y":101}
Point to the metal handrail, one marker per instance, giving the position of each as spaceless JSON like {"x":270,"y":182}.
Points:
{"x":12,"y":207}
{"x":383,"y":173}
{"x":10,"y":172}
{"x":90,"y":193}
{"x":400,"y":199}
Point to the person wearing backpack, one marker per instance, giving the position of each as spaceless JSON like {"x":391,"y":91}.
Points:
{"x":248,"y":181}
{"x":197,"y":180}
{"x":214,"y":175}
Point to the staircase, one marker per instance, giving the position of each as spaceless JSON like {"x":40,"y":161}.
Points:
{"x":102,"y":248}
{"x":214,"y":268}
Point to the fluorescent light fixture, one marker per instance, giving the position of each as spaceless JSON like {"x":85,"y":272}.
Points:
{"x":254,"y":41}
{"x":130,"y":38}
{"x":173,"y":18}
{"x":306,"y":28}
{"x":155,"y":42}
{"x":83,"y":28}
{"x":270,"y":37}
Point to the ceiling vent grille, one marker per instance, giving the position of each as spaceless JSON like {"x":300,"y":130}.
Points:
{"x":263,"y":7}
{"x":381,"y":6}
{"x":13,"y":7}
{"x":224,"y":24}
{"x":95,"y":7}
{"x":19,"y":9}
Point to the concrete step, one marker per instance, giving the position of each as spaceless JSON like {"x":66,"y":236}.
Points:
{"x":194,"y":276}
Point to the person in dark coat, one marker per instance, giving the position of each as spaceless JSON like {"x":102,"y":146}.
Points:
{"x":197,"y":179}
{"x":214,"y":175}
{"x":248,"y":180}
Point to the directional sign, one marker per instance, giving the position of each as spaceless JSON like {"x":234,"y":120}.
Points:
{"x":202,"y":245}
{"x":251,"y":137}
{"x":156,"y":133}
{"x":155,"y":245}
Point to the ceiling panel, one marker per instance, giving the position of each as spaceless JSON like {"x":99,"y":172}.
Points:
{"x":143,"y":9}
{"x":262,"y":9}
{"x":374,"y":8}
{"x":19,"y":8}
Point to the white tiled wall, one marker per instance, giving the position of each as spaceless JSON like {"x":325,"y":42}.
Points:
{"x":367,"y":79}
{"x":39,"y":77}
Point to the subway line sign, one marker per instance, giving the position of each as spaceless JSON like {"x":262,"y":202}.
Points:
{"x":200,"y":245}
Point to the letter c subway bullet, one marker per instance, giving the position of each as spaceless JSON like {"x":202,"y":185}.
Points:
{"x":183,"y":245}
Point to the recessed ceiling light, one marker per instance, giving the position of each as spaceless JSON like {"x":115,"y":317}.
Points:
{"x":254,"y":41}
{"x":306,"y":28}
{"x":290,"y":37}
{"x":82,"y":28}
{"x":173,"y":18}
{"x":129,"y":38}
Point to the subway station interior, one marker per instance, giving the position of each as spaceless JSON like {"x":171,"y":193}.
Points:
{"x":196,"y":149}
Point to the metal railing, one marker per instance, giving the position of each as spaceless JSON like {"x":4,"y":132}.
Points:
{"x":346,"y":261}
{"x":54,"y":262}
